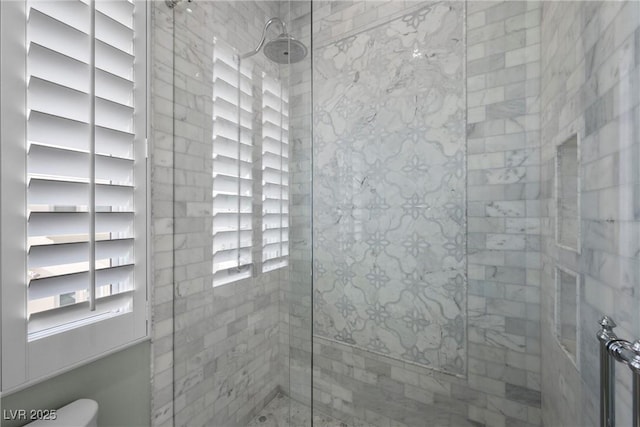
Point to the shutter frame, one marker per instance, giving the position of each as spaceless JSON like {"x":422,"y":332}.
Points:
{"x":27,"y":362}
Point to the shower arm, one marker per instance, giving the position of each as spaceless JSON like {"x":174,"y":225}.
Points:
{"x":173,"y":3}
{"x":264,"y":36}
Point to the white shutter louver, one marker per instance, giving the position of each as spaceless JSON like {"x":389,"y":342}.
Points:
{"x":232,"y":163}
{"x":81,"y":168}
{"x":275,"y":174}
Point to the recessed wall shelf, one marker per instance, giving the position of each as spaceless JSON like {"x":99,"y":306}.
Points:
{"x":568,"y":195}
{"x":567,"y":311}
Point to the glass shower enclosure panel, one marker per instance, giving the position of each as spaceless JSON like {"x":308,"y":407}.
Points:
{"x":242,"y":272}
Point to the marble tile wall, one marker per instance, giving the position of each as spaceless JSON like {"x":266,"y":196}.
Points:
{"x":217,"y":361}
{"x":591,"y":88}
{"x":502,"y":385}
{"x":503,"y":70}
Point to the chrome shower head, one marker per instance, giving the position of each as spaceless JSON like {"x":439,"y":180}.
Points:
{"x":284,"y":49}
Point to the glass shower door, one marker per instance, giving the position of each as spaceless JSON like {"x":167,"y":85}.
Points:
{"x":240,"y":278}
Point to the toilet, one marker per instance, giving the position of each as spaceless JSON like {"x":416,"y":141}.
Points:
{"x":81,"y":413}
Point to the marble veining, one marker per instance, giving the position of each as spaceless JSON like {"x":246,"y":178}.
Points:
{"x":389,"y":189}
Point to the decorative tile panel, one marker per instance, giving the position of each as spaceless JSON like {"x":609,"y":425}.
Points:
{"x":389,"y":189}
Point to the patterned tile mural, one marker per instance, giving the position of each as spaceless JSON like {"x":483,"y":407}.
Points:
{"x":389,"y":189}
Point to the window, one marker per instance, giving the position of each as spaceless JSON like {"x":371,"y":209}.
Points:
{"x":275,"y":174}
{"x":233,"y":155}
{"x":74,"y":175}
{"x":232,"y":163}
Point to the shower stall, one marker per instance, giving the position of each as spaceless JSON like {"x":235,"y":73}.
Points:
{"x":392,"y":213}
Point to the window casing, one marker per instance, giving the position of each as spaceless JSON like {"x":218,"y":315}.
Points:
{"x":74,"y":183}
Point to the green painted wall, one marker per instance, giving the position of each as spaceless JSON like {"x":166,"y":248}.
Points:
{"x":120,"y":383}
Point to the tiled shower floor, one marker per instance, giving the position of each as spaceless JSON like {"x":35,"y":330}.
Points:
{"x":277,"y":414}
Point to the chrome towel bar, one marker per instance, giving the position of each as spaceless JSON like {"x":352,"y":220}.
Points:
{"x":612,"y":350}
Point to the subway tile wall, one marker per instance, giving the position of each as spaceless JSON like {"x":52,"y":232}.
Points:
{"x":216,"y":351}
{"x":503,"y":70}
{"x":591,"y":88}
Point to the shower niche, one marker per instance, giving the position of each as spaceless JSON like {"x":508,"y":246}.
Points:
{"x":568,"y":195}
{"x":567,"y":311}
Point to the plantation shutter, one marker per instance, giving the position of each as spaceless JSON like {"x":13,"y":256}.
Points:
{"x":275,"y":174}
{"x":83,"y":124}
{"x":232,"y":163}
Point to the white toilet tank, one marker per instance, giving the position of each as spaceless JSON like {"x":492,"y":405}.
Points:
{"x":81,"y":413}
